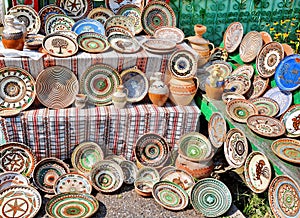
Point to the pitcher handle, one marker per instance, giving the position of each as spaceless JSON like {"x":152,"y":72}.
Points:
{"x":198,"y":81}
{"x":213,"y":47}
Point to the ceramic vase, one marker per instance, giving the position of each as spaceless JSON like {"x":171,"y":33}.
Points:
{"x":158,"y":90}
{"x":119,"y":98}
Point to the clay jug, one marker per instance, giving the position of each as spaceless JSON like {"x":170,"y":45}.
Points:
{"x":182,"y":92}
{"x":119,"y":98}
{"x":13,"y":36}
{"x":201,"y":45}
{"x":158,"y":90}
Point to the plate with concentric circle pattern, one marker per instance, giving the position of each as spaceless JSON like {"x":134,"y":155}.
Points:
{"x":291,"y":121}
{"x":151,"y":150}
{"x":266,"y":106}
{"x":17,"y":88}
{"x":250,"y":46}
{"x":284,"y":197}
{"x":116,"y":5}
{"x":129,"y":170}
{"x":100,"y":14}
{"x":233,"y":36}
{"x":77,"y":205}
{"x":17,"y":157}
{"x":217,"y":129}
{"x":8,"y":179}
{"x":92,"y":42}
{"x":99,"y":82}
{"x":240,"y":109}
{"x":211,"y":197}
{"x":287,"y":149}
{"x":75,"y":9}
{"x":238,"y":83}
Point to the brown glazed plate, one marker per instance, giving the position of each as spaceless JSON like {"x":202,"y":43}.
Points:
{"x":258,"y":87}
{"x":250,"y":46}
{"x":240,"y":109}
{"x":266,"y":106}
{"x":291,"y":120}
{"x":217,"y":129}
{"x":245,"y":69}
{"x":287,"y":149}
{"x":233,"y":36}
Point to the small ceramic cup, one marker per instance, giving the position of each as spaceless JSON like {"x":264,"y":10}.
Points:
{"x":80,"y":100}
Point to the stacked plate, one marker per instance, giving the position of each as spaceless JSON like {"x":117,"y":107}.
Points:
{"x":160,"y":46}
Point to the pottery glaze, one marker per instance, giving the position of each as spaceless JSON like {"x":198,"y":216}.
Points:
{"x":158,"y":90}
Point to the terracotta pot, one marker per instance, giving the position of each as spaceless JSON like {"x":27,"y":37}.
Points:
{"x":214,"y":92}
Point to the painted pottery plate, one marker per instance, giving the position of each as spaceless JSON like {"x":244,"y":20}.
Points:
{"x":85,"y":155}
{"x":148,"y":173}
{"x":284,"y":197}
{"x":88,"y":25}
{"x":157,"y":14}
{"x":170,"y":195}
{"x":239,"y":110}
{"x":217,"y":129}
{"x":115,"y":158}
{"x":77,"y":205}
{"x":151,"y":150}
{"x":20,"y":201}
{"x":34,"y":41}
{"x":134,"y":11}
{"x":56,"y":87}
{"x":129,"y":170}
{"x":58,"y":22}
{"x":17,"y":88}
{"x":259,"y":86}
{"x":92,"y":42}
{"x":245,"y":69}
{"x":76,"y":9}
{"x":143,"y":186}
{"x":268,"y":59}
{"x":116,"y":5}
{"x":8,"y":179}
{"x":266,"y":106}
{"x":238,"y":83}
{"x":287,"y":149}
{"x":250,"y":46}
{"x":47,"y":171}
{"x":60,"y":45}
{"x":121,"y":21}
{"x":99,"y":82}
{"x":67,"y":33}
{"x":28,"y":16}
{"x":283,"y":98}
{"x":211,"y":197}
{"x":169,"y":33}
{"x":136,"y":82}
{"x":194,"y":146}
{"x":287,"y":74}
{"x":158,"y":51}
{"x":236,"y":148}
{"x":106,"y":176}
{"x":229,"y":96}
{"x":124,"y":44}
{"x":17,"y":157}
{"x":258,"y":172}
{"x":9,"y":112}
{"x":265,"y":125}
{"x":100,"y":14}
{"x":291,"y":120}
{"x":223,"y":67}
{"x":233,"y":36}
{"x":72,"y":182}
{"x":118,"y":30}
{"x":183,"y":64}
{"x":266,"y":37}
{"x":159,"y":44}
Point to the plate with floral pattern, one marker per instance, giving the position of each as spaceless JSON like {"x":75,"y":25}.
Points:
{"x":287,"y":149}
{"x":134,"y":11}
{"x":57,"y":22}
{"x":76,"y":9}
{"x":291,"y":121}
{"x":240,"y":109}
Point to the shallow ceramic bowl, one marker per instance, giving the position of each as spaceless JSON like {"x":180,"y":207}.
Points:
{"x":143,"y":186}
{"x":148,"y":173}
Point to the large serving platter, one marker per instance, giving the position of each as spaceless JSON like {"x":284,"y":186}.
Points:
{"x":92,"y":42}
{"x":290,"y":120}
{"x":57,"y":22}
{"x":76,"y":9}
{"x":287,"y":149}
{"x":134,"y":11}
{"x":250,"y":46}
{"x":88,"y":25}
{"x":233,"y":36}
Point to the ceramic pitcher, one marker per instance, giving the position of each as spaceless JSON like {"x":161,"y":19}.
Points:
{"x":158,"y":90}
{"x":119,"y":98}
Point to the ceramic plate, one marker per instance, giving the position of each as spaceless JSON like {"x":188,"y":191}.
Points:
{"x":250,"y":46}
{"x":34,"y":41}
{"x":236,"y":148}
{"x":159,"y":44}
{"x":47,"y":171}
{"x":151,"y":150}
{"x":229,"y":96}
{"x":17,"y":88}
{"x":69,"y":33}
{"x":106,"y":176}
{"x":58,"y":22}
{"x":287,"y":149}
{"x":136,"y":82}
{"x":266,"y":106}
{"x":59,"y":45}
{"x":20,"y":201}
{"x":28,"y":16}
{"x":115,"y":158}
{"x":157,"y":14}
{"x":245,"y":69}
{"x":118,"y":30}
{"x":283,"y":98}
{"x":291,"y":121}
{"x":76,"y":9}
{"x":72,"y":182}
{"x":122,"y":21}
{"x":17,"y":157}
{"x":169,"y":33}
{"x":134,"y":11}
{"x":268,"y":59}
{"x":258,"y":172}
{"x":8,"y":179}
{"x":237,"y":83}
{"x":77,"y":205}
{"x":170,"y":195}
{"x":85,"y":155}
{"x":158,"y":51}
{"x":266,"y":37}
{"x":100,"y":14}
{"x":99,"y":82}
{"x":265,"y":125}
{"x":92,"y":42}
{"x":239,"y":110}
{"x":116,"y":5}
{"x":9,"y":112}
{"x":183,"y":64}
{"x":211,"y":197}
{"x":129,"y":170}
{"x":88,"y":25}
{"x":284,"y":197}
{"x":194,"y":146}
{"x":287,"y":75}
{"x":56,"y":87}
{"x":124,"y":44}
{"x":259,"y":86}
{"x":148,"y":173}
{"x":223,"y":67}
{"x":233,"y":36}
{"x":217,"y":129}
